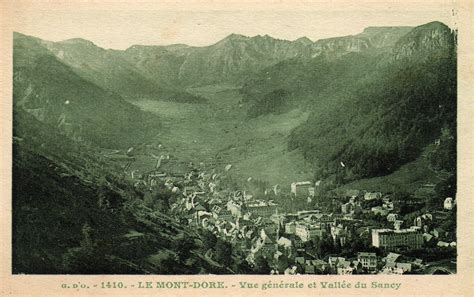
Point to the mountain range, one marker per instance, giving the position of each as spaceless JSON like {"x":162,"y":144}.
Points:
{"x":83,"y":89}
{"x":372,"y":103}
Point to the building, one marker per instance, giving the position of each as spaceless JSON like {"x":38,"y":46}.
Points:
{"x":299,"y":189}
{"x":397,"y":225}
{"x":308,"y":232}
{"x":392,"y":217}
{"x":391,"y":257}
{"x":388,"y":205}
{"x":449,"y":203}
{"x":344,"y":268}
{"x":339,"y":233}
{"x":321,"y":218}
{"x":368,"y":260}
{"x":388,"y":238}
{"x":334,"y":260}
{"x":290,"y":228}
{"x":422,"y":220}
{"x":306,"y":213}
{"x":225,"y":215}
{"x":234,"y":208}
{"x":372,"y":196}
{"x":347,"y":207}
{"x":285,"y":243}
{"x":379,"y":210}
{"x":261,"y":208}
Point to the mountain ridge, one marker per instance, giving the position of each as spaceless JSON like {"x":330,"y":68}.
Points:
{"x":162,"y":68}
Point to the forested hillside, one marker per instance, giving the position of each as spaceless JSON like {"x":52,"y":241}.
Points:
{"x":371,"y":111}
{"x":74,"y":213}
{"x":52,"y":92}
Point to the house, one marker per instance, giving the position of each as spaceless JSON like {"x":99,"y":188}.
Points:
{"x":300,"y":188}
{"x":397,"y":224}
{"x":277,"y":255}
{"x":261,"y":208}
{"x":388,"y":205}
{"x":357,"y":266}
{"x":309,"y":268}
{"x":276,"y":190}
{"x":306,"y":213}
{"x":427,"y":237}
{"x":406,"y":267}
{"x":417,"y":262}
{"x":368,"y":260}
{"x":325,"y":220}
{"x":290,"y":228}
{"x":372,"y":196}
{"x":347,"y":207}
{"x":442,"y":244}
{"x":225,"y":215}
{"x":339,"y":232}
{"x":438,"y":232}
{"x":351,"y":207}
{"x":389,"y":238}
{"x":391,"y":217}
{"x":379,"y":210}
{"x":307,"y":232}
{"x":344,"y":268}
{"x":315,"y":266}
{"x":334,"y":260}
{"x":391,"y":257}
{"x":320,"y":265}
{"x":449,"y":203}
{"x":422,"y":220}
{"x":290,"y":270}
{"x":300,"y":260}
{"x":234,"y":208}
{"x":284,"y":242}
{"x":391,"y":270}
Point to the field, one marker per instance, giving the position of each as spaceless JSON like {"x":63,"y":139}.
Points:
{"x":218,"y":133}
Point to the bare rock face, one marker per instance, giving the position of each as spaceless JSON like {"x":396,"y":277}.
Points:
{"x":147,"y":70}
{"x":430,"y":37}
{"x":382,"y":37}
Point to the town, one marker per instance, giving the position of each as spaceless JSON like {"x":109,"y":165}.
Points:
{"x":351,"y":232}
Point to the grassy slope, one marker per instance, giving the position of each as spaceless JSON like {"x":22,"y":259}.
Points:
{"x":59,"y":187}
{"x":257,"y":148}
{"x":219,"y":133}
{"x":408,"y":178}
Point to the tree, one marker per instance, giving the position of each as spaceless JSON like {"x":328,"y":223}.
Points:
{"x":261,"y":265}
{"x":183,"y":245}
{"x":224,"y":252}
{"x":327,"y":244}
{"x":209,"y":240}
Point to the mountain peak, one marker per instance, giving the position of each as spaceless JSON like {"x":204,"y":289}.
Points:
{"x":379,"y":29}
{"x":78,"y":41}
{"x":433,"y":36}
{"x":435,"y":25}
{"x":384,"y":36}
{"x":237,"y":37}
{"x":304,"y":40}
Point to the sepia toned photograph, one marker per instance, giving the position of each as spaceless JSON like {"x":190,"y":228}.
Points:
{"x":222,"y":141}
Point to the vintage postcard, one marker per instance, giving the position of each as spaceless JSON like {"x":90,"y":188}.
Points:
{"x":191,"y":148}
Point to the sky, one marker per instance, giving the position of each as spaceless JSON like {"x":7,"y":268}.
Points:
{"x":121,"y":25}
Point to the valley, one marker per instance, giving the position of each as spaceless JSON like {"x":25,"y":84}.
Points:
{"x":219,"y":132}
{"x":252,"y":155}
